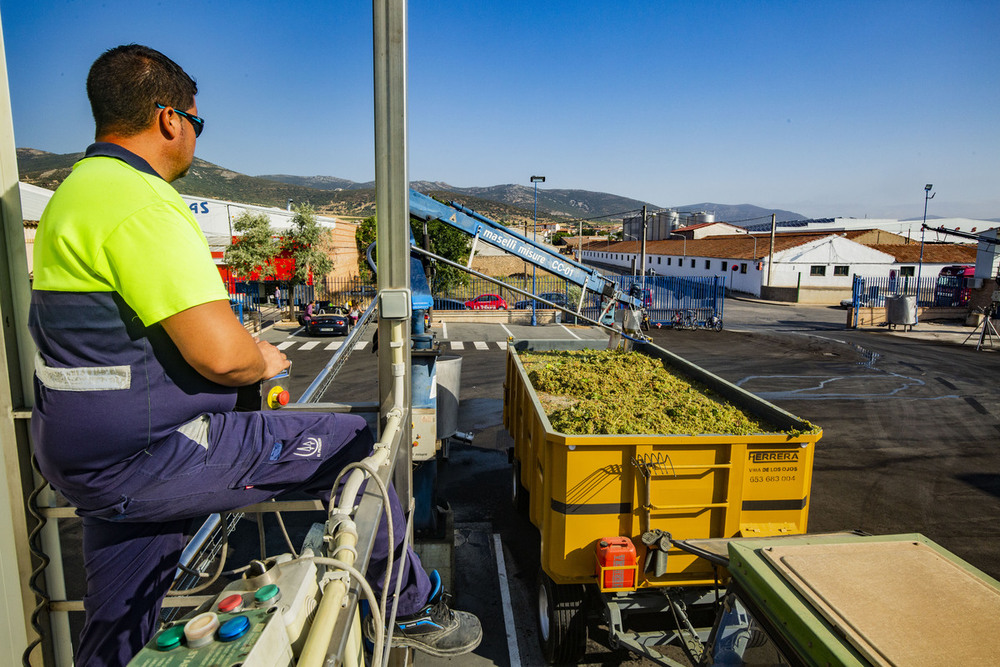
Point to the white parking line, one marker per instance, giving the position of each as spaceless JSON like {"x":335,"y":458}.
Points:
{"x":457,"y":345}
{"x":335,"y":345}
{"x":508,"y":616}
{"x":444,"y":331}
{"x":507,"y":330}
{"x":570,"y":332}
{"x":310,"y":345}
{"x":284,"y":346}
{"x":481,"y":345}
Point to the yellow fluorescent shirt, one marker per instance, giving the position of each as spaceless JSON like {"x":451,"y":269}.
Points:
{"x":112,"y":228}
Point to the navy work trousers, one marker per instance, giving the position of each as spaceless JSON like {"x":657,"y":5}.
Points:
{"x":132,"y":541}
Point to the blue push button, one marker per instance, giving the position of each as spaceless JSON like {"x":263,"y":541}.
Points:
{"x":234,"y":628}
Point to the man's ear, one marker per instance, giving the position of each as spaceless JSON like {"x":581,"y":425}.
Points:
{"x":169,"y":123}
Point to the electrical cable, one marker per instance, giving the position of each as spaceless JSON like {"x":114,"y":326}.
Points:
{"x":388,"y":517}
{"x":379,"y":626}
{"x":223,"y":555}
{"x":361,"y":465}
{"x":284,"y":532}
{"x":391,"y":625}
{"x":35,"y":546}
{"x":366,"y":469}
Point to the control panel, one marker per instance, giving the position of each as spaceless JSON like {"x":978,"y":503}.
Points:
{"x":260,"y":620}
{"x":249,"y":638}
{"x":274,"y":391}
{"x":269,"y":394}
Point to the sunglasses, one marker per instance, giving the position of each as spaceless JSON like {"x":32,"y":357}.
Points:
{"x":197,"y":123}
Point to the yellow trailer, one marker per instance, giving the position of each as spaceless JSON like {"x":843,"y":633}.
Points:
{"x":581,"y":489}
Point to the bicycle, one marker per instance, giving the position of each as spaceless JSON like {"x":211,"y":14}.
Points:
{"x":687,"y":319}
{"x":683,"y":319}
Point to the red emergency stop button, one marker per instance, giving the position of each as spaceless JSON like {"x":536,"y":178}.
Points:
{"x":233,"y":603}
{"x":277,"y":397}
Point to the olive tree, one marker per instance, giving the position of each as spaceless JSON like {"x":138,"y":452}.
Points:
{"x":303,"y":243}
{"x":254,"y":249}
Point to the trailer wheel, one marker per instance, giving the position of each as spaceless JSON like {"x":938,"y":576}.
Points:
{"x":518,"y":494}
{"x":562,"y":621}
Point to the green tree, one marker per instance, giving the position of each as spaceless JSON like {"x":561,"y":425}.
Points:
{"x":365,"y":236}
{"x":303,"y":243}
{"x":450,"y":243}
{"x":445,"y":240}
{"x":255,"y":247}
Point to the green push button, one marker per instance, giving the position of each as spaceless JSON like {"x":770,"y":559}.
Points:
{"x":266,"y":594}
{"x":170,"y":638}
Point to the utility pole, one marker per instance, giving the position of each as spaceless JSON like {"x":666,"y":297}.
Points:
{"x":642,"y":267}
{"x":770,"y":255}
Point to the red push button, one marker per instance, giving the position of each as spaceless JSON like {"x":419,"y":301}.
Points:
{"x":277,"y":397}
{"x":233,"y":603}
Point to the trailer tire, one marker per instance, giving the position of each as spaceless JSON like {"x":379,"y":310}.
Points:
{"x":562,"y":621}
{"x":518,"y":494}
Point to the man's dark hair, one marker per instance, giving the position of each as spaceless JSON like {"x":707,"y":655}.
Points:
{"x":127,"y":82}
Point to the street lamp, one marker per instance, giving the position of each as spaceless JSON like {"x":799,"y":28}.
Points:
{"x":923,"y":230}
{"x":534,"y":237}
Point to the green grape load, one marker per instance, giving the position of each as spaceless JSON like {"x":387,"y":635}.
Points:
{"x":613,"y":392}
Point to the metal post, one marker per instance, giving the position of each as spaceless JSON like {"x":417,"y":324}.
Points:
{"x":16,"y":352}
{"x":534,"y":237}
{"x":642,"y":262}
{"x":920,"y":265}
{"x":770,"y":254}
{"x":392,"y":204}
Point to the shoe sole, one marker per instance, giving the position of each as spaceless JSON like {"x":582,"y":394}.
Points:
{"x":403,"y":642}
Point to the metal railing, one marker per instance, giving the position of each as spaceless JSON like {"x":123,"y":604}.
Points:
{"x":871,"y":291}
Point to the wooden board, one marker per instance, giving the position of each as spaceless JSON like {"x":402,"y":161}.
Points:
{"x":898,"y":603}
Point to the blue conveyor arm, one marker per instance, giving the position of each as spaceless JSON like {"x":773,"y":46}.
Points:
{"x":492,"y":232}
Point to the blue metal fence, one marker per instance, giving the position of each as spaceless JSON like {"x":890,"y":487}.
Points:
{"x":703,"y":296}
{"x":664,"y":297}
{"x":870,"y":292}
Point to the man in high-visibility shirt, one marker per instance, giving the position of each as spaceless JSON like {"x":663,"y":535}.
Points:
{"x":140,"y":357}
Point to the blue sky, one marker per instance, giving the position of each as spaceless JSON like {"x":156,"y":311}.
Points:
{"x":824,"y":108}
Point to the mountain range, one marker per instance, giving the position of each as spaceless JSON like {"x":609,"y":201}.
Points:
{"x":510,"y":204}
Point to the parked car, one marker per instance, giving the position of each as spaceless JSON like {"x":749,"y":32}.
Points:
{"x":487,"y":302}
{"x":327,"y":324}
{"x":443,"y":303}
{"x":557,"y":298}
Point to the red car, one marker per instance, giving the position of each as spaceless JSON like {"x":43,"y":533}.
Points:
{"x":487,"y":302}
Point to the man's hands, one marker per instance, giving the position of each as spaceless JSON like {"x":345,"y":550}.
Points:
{"x":275,"y":360}
{"x":213,"y":341}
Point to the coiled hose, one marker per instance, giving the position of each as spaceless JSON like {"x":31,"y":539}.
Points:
{"x":35,"y":545}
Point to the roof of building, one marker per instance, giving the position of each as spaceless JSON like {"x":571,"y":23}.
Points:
{"x":933,"y":253}
{"x":730,"y":246}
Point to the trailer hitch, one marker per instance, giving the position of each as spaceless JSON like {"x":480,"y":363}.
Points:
{"x":657,"y":545}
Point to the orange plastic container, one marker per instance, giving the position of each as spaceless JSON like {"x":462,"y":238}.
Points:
{"x":616,"y":564}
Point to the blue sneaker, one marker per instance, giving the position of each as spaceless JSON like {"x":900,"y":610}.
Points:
{"x":437,"y":629}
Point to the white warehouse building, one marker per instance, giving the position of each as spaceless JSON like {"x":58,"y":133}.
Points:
{"x":819,"y":266}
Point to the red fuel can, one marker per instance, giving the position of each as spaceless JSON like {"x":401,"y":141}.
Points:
{"x":616,"y":563}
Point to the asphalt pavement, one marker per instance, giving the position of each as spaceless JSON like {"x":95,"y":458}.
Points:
{"x":911,"y":428}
